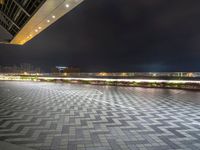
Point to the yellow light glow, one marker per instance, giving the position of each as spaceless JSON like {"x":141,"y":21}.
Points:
{"x":2,"y":1}
{"x":102,"y":74}
{"x":53,"y":17}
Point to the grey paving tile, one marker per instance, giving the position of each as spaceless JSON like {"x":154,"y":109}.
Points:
{"x":48,"y":116}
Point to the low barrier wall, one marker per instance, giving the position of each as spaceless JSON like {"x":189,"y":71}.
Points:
{"x":147,"y":83}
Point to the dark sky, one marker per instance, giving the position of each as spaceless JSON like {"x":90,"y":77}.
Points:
{"x":118,"y":35}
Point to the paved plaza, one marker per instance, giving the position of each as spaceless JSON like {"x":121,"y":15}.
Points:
{"x":56,"y":116}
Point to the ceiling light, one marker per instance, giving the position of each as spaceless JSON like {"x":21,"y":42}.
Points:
{"x":67,"y":5}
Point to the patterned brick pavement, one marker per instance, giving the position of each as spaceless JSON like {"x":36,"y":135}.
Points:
{"x":49,"y":116}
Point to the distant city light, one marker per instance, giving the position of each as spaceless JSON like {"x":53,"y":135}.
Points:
{"x":102,"y":74}
{"x":25,"y":73}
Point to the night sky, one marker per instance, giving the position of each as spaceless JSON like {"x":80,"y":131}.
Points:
{"x":117,"y":35}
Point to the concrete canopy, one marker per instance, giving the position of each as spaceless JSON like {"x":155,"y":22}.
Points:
{"x":24,"y":19}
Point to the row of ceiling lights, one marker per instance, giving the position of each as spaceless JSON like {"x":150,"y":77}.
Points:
{"x":48,"y":21}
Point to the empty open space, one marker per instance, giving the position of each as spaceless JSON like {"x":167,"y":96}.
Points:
{"x":56,"y":116}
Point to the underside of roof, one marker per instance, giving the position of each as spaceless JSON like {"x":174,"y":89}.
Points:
{"x":24,"y":19}
{"x":15,"y":13}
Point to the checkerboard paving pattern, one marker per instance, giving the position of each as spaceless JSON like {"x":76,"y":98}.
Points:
{"x":55,"y":116}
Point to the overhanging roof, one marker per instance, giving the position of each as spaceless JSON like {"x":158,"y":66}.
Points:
{"x":24,"y":19}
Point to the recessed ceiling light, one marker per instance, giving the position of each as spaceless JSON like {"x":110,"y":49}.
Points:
{"x":53,"y":16}
{"x":67,"y":5}
{"x":39,"y":28}
{"x":48,"y":21}
{"x":36,"y":30}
